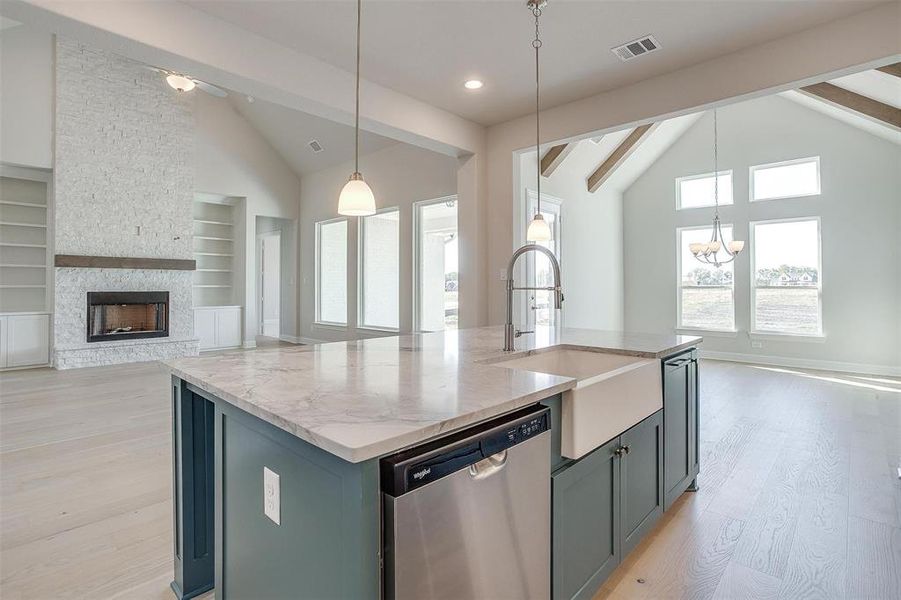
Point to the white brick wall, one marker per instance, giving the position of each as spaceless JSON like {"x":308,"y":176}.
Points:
{"x":123,"y":161}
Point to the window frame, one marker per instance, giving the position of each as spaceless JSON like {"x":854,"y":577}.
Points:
{"x":720,"y":173}
{"x":417,"y":230}
{"x":317,"y":265}
{"x":784,"y":163}
{"x":691,"y":328}
{"x":361,"y":241}
{"x":762,"y":334}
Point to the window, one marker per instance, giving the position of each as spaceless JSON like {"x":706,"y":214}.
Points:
{"x":540,"y":308}
{"x":436,"y":264}
{"x":786,"y":277}
{"x":788,"y":179}
{"x":696,"y":191}
{"x":706,"y":294}
{"x":379,"y":269}
{"x":331,"y":272}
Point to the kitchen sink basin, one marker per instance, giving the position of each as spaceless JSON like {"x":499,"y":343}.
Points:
{"x":613,"y":392}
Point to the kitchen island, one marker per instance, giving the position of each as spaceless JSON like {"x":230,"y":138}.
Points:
{"x":318,"y":419}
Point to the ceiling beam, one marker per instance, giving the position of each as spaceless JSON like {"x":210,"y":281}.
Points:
{"x":619,"y":156}
{"x":553,"y":158}
{"x":894,"y":69}
{"x":838,"y":96}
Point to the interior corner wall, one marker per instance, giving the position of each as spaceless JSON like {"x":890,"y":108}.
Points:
{"x":399,"y":175}
{"x":860,"y":216}
{"x":233,"y":159}
{"x":26,"y":97}
{"x":591,"y":254}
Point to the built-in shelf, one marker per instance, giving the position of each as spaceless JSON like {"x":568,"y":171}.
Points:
{"x":28,"y":204}
{"x":11,"y":224}
{"x":214,"y":250}
{"x":25,"y":230}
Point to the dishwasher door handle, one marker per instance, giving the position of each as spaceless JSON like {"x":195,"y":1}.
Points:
{"x":487,"y":467}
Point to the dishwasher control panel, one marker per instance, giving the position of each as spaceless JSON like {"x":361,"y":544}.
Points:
{"x":414,"y":468}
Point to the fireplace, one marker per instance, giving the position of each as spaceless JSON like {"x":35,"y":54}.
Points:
{"x":127,"y":315}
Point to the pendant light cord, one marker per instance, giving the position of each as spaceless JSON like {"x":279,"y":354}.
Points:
{"x":536,"y":43}
{"x":357,"y":111}
{"x":716,"y":175}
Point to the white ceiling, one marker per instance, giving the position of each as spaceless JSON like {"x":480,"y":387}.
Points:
{"x":289,"y":131}
{"x":427,"y":49}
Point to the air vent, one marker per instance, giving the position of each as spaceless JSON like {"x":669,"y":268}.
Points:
{"x":316,"y":147}
{"x":638,"y":47}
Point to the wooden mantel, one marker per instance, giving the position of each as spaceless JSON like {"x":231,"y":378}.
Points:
{"x":123,"y":262}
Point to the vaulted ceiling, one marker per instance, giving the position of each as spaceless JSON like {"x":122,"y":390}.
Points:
{"x":428,"y":49}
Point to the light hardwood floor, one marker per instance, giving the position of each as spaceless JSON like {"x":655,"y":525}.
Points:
{"x":798,"y":495}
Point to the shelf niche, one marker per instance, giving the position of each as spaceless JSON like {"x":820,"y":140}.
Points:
{"x":214,"y":253}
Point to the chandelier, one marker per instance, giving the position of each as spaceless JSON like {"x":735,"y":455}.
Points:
{"x":709,"y":253}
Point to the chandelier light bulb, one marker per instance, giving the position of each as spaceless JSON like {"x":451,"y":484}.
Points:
{"x":736,"y":246}
{"x":356,"y":199}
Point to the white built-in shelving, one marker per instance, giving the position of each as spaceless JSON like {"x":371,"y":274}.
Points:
{"x":214,"y":251}
{"x":24,"y":239}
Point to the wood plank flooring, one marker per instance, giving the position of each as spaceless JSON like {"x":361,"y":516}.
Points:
{"x":798,"y":492}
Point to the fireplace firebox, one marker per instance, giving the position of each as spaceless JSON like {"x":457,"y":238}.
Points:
{"x":127,"y":315}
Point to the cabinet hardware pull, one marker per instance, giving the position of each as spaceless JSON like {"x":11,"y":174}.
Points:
{"x":627,"y":449}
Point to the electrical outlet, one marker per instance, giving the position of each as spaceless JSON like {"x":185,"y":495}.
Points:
{"x":757,"y":344}
{"x":272,"y":500}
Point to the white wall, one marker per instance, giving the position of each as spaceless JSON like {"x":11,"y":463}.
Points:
{"x":592,"y":250}
{"x":860,"y":210}
{"x":26,"y":97}
{"x":232,"y":159}
{"x":399,"y":176}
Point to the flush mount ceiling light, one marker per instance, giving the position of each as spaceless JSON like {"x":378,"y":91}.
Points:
{"x":184,"y":83}
{"x":357,"y":199}
{"x":709,"y":253}
{"x":473,"y":84}
{"x":538,"y":230}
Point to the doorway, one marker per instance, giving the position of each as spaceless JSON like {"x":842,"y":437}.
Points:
{"x":270,"y":250}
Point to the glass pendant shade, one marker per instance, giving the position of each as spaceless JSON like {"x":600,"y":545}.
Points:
{"x":182,"y":84}
{"x":538,"y":231}
{"x":356,"y":199}
{"x":736,"y":246}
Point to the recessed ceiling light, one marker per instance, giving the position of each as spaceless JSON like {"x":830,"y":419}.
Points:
{"x":473,"y":84}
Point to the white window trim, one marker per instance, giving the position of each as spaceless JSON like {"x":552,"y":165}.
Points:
{"x":361,"y":235}
{"x":316,"y":269}
{"x":532,"y":197}
{"x":679,"y":326}
{"x":417,"y":225}
{"x":679,"y":181}
{"x":780,"y":335}
{"x":783,"y":163}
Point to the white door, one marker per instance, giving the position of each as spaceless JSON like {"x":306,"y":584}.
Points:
{"x":28,"y":340}
{"x":540,"y":304}
{"x":270,"y":289}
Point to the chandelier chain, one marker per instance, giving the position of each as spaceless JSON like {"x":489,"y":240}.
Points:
{"x":536,"y":43}
{"x":357,"y":111}
{"x":716,"y":173}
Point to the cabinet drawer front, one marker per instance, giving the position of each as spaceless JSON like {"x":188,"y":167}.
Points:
{"x":586,"y":506}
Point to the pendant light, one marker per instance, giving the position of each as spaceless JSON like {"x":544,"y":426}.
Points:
{"x":709,"y":253}
{"x":538,"y":230}
{"x":356,"y":199}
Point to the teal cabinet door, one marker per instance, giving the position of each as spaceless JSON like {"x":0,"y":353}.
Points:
{"x":641,"y":476}
{"x":680,"y":419}
{"x":586,"y":523}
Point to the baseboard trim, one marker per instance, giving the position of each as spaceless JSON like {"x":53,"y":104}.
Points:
{"x":293,"y":339}
{"x":249,"y":344}
{"x":804,"y":363}
{"x":309,"y":340}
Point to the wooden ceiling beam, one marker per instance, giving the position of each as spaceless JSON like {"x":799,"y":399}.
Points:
{"x":894,"y":69}
{"x":553,"y":158}
{"x":619,"y":156}
{"x":839,"y":96}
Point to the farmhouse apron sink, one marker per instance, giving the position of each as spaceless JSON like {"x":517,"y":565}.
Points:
{"x":613,"y":392}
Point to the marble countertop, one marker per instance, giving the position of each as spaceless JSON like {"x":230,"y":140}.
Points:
{"x":367,"y":398}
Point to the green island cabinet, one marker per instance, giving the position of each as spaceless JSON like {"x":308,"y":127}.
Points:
{"x":680,"y":424}
{"x":603,"y":505}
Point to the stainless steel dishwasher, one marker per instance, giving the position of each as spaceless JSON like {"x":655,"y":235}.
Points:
{"x":468,"y":516}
